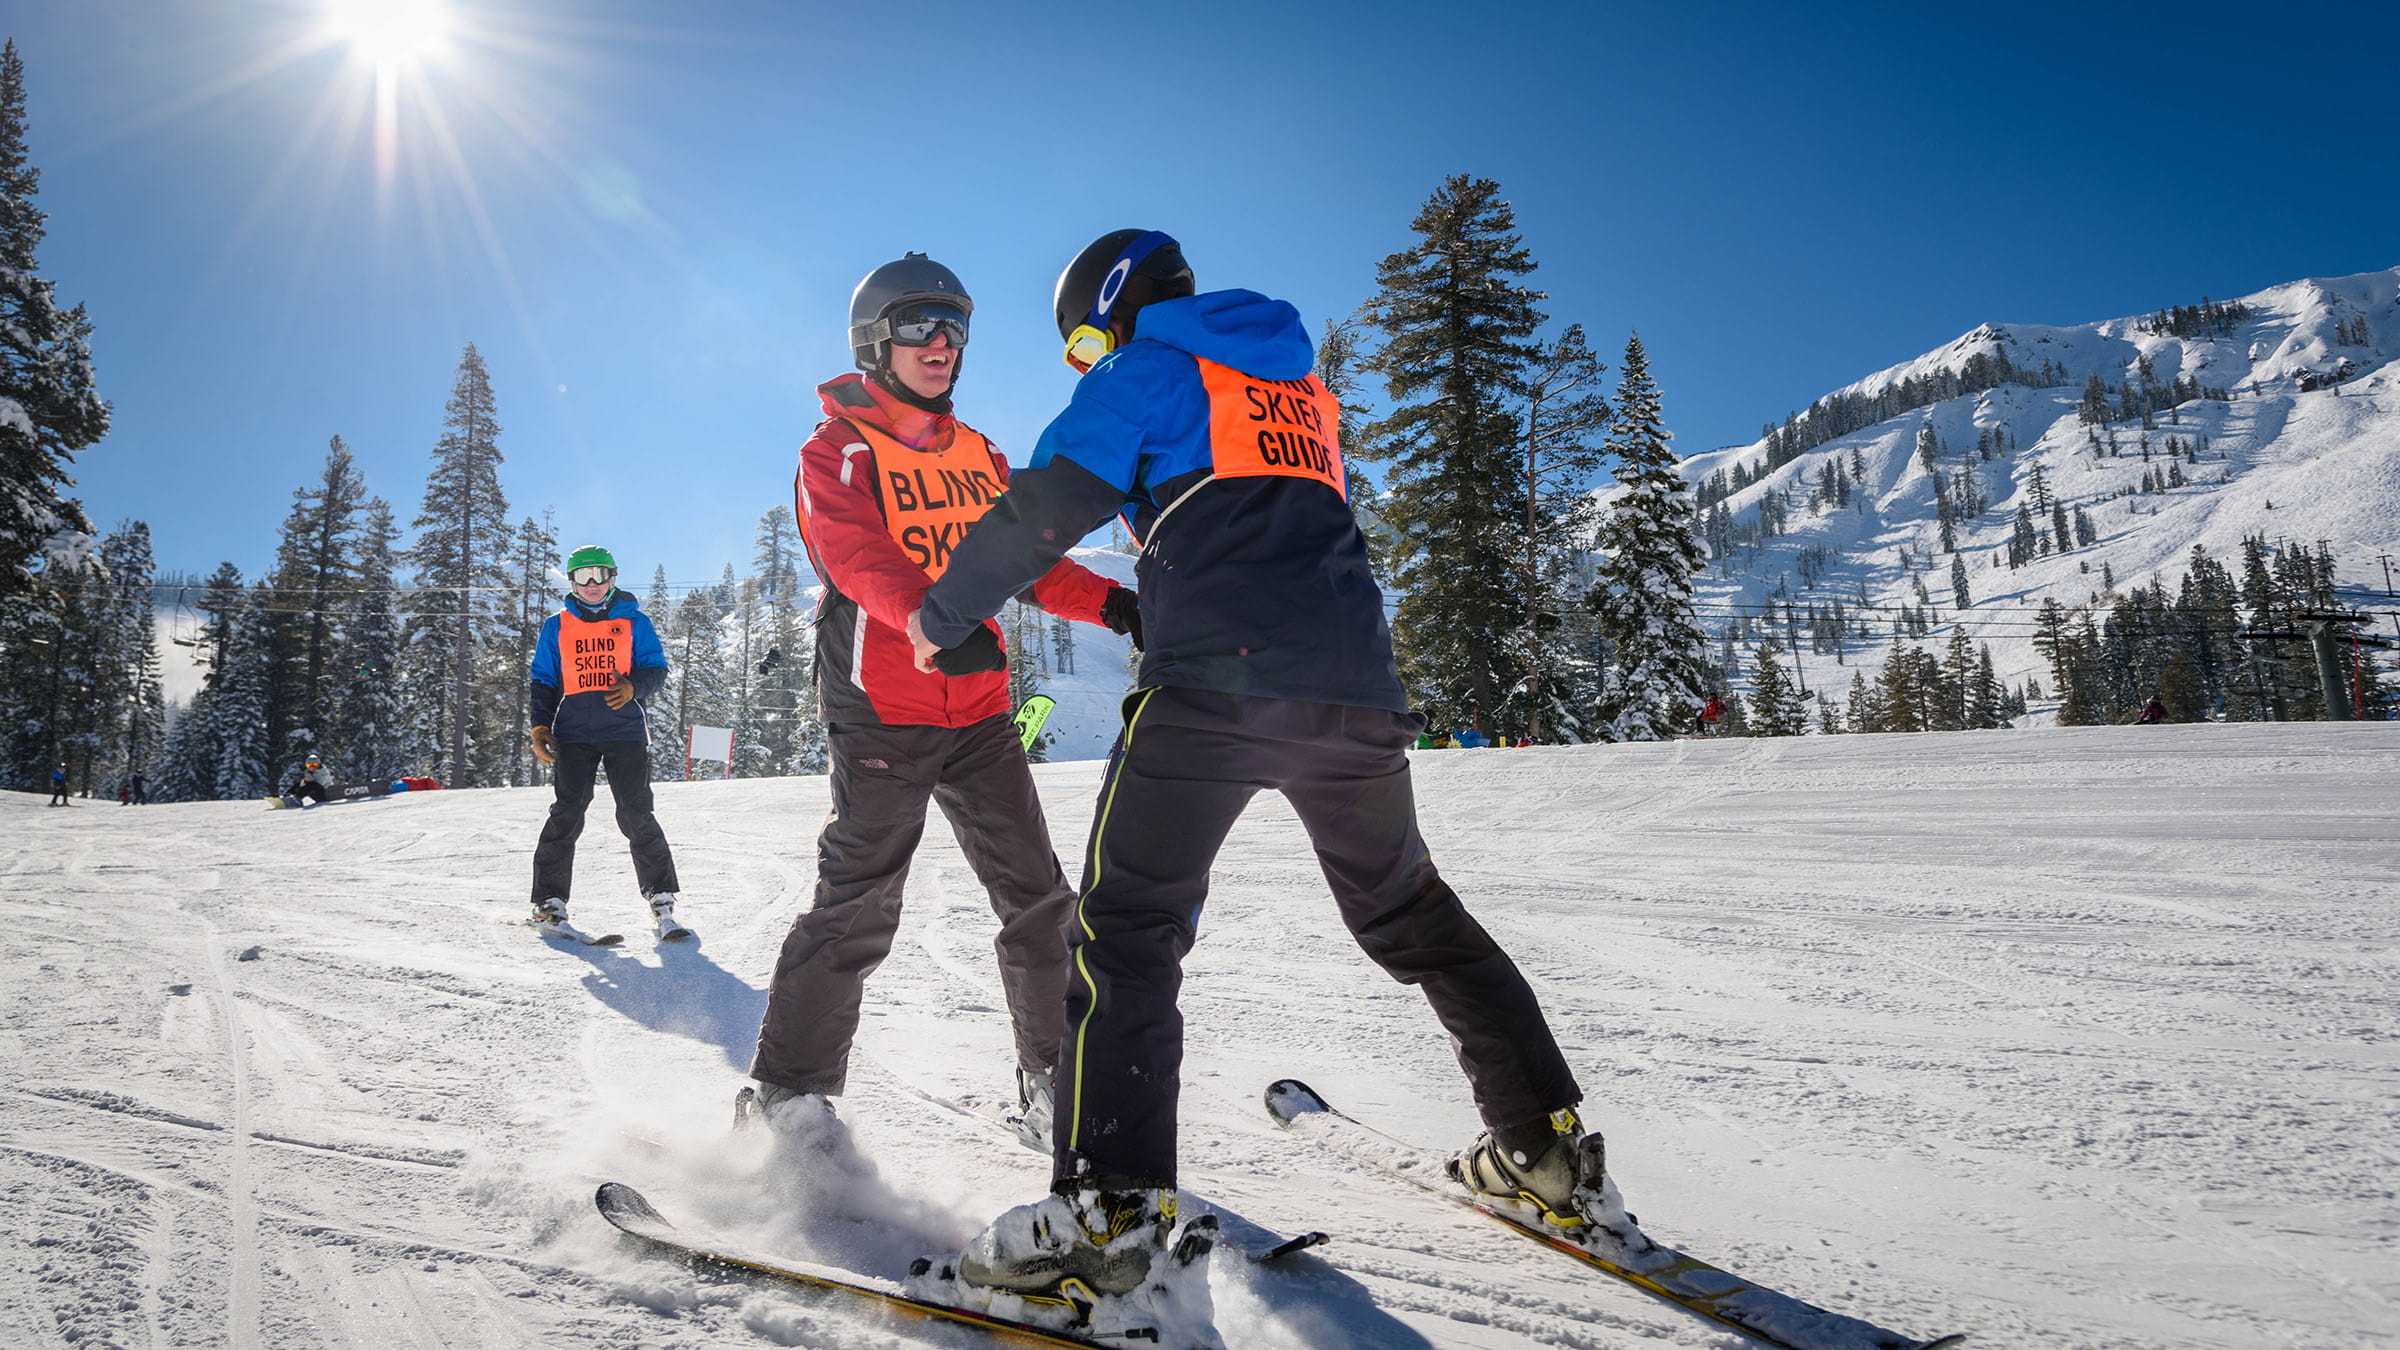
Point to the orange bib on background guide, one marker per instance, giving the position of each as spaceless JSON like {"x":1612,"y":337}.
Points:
{"x":592,"y":655}
{"x":1260,"y":428}
{"x":931,"y":497}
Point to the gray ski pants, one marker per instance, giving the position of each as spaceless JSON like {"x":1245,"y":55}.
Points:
{"x":882,"y":778}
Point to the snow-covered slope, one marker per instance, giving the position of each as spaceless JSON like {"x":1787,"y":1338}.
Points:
{"x":2282,"y":459}
{"x":2066,"y":1038}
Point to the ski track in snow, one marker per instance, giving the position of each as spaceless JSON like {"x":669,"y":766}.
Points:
{"x":2065,"y":1038}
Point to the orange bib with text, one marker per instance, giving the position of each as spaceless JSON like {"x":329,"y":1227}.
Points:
{"x":1260,"y":428}
{"x":931,"y":497}
{"x":592,"y":655}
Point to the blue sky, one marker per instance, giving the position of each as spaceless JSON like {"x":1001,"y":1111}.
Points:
{"x":649,"y":217}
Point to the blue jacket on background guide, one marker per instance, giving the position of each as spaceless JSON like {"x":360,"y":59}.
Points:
{"x":587,"y":717}
{"x":1256,"y":586}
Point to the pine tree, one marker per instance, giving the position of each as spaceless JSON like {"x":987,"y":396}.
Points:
{"x":461,"y":560}
{"x":666,"y":731}
{"x":136,"y":723}
{"x":49,"y":408}
{"x":367,"y":722}
{"x":536,"y":598}
{"x":703,"y":695}
{"x":1960,"y":596}
{"x":1776,"y":709}
{"x":316,"y":567}
{"x":1656,"y":679}
{"x":1563,"y":413}
{"x":778,"y":556}
{"x":1457,"y":346}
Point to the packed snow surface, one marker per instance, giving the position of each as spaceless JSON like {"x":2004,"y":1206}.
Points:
{"x":2065,"y":1038}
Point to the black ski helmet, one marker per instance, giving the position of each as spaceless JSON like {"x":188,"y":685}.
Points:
{"x":1117,"y":274}
{"x":913,"y":277}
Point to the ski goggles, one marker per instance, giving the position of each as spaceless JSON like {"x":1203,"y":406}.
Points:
{"x":593,"y":575}
{"x":919,"y":325}
{"x":1086,"y":345}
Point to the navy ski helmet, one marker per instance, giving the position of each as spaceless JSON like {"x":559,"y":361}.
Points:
{"x":1109,"y":282}
{"x":916,"y":289}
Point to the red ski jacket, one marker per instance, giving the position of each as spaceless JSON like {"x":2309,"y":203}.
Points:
{"x":884,"y":492}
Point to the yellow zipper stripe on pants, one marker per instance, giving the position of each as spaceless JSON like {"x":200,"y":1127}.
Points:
{"x":1099,"y":829}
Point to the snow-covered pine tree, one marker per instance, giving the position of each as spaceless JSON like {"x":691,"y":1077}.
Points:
{"x":704,"y":693}
{"x":1776,"y":708}
{"x":366,"y":723}
{"x":778,"y":557}
{"x":461,"y":559}
{"x":1456,"y":347}
{"x":58,"y":669}
{"x":136,"y":723}
{"x":49,"y":408}
{"x":1656,"y":677}
{"x":537,"y":597}
{"x":666,"y":734}
{"x":316,"y":569}
{"x":218,"y":749}
{"x":1564,"y":413}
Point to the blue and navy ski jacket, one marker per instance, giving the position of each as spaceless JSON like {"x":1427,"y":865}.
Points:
{"x":1255,"y":586}
{"x":587,"y":717}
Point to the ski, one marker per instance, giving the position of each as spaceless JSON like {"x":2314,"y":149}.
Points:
{"x":629,"y":1213}
{"x":1686,"y":1281}
{"x":560,"y":928}
{"x":1259,"y":1246}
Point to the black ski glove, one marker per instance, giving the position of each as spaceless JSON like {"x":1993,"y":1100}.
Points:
{"x":1121,"y":610}
{"x":980,"y":652}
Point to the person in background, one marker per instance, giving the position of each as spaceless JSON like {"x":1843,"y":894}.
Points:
{"x":315,"y":781}
{"x":596,"y":664}
{"x":58,"y":784}
{"x":887,"y":485}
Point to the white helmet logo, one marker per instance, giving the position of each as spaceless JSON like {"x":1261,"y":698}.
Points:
{"x":1110,"y":285}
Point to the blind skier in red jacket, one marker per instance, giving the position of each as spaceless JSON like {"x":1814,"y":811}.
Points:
{"x":887,"y":486}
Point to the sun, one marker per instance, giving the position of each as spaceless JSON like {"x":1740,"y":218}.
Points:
{"x":389,"y":34}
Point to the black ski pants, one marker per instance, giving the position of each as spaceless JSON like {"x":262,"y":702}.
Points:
{"x":572,"y":777}
{"x":1186,"y":765}
{"x":882,"y":777}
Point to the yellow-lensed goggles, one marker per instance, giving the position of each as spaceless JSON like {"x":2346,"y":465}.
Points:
{"x":1086,"y":345}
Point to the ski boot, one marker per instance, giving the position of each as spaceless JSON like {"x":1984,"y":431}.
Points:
{"x":1035,"y":1109}
{"x":1101,"y":1264}
{"x":662,"y":918}
{"x":1554,"y":1169}
{"x":550,"y":916}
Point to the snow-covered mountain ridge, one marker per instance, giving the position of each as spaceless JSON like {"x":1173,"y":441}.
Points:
{"x":2306,"y":448}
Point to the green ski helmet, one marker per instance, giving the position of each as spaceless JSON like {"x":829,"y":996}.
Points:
{"x":590,"y":556}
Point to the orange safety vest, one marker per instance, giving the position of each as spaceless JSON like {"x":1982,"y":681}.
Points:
{"x":592,"y":655}
{"x":931,"y":497}
{"x":1260,"y":428}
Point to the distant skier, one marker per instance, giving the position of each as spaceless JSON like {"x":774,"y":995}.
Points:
{"x":596,"y":664}
{"x":315,"y":782}
{"x":2152,"y":713}
{"x":1269,"y":667}
{"x":141,"y":789}
{"x":58,"y":784}
{"x":886,"y":486}
{"x":1711,"y":715}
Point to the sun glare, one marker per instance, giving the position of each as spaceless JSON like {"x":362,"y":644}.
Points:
{"x":388,"y":34}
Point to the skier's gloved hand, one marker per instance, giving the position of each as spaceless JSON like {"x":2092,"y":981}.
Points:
{"x":545,"y":745}
{"x":620,"y":695}
{"x":980,"y":652}
{"x":1121,"y":610}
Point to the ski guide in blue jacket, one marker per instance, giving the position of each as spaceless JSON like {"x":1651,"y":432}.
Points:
{"x":587,"y":717}
{"x":1256,"y":586}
